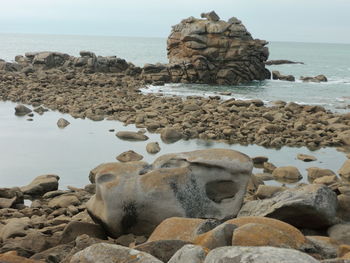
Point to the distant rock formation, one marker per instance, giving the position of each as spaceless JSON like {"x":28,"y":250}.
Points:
{"x":214,"y":51}
{"x":281,"y":62}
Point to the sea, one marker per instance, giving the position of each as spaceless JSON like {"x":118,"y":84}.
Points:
{"x":32,"y":148}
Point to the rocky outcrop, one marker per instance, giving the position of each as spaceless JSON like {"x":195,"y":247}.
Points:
{"x":277,"y":75}
{"x":199,"y":184}
{"x":317,"y":79}
{"x":211,"y":50}
{"x":281,"y":62}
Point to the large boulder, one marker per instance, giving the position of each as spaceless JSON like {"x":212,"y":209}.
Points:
{"x":199,"y":184}
{"x":211,"y":50}
{"x":311,"y":206}
{"x":41,"y":185}
{"x":257,"y":255}
{"x":109,"y":253}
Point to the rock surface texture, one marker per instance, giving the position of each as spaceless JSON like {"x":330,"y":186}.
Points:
{"x":211,"y":50}
{"x":199,"y":184}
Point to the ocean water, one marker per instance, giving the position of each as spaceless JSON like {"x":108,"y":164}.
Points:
{"x":332,"y":60}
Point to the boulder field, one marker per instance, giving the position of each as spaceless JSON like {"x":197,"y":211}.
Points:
{"x":201,"y":206}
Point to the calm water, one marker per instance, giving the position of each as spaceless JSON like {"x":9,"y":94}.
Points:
{"x":332,"y":60}
{"x":29,"y":149}
{"x":32,"y":148}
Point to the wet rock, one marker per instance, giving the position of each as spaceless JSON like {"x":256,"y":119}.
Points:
{"x":41,"y":185}
{"x":289,"y":174}
{"x":153,"y":147}
{"x":170,"y":135}
{"x":315,"y":172}
{"x":206,"y":183}
{"x":75,"y":229}
{"x":257,"y":255}
{"x":311,"y":206}
{"x":109,"y":253}
{"x":21,"y":110}
{"x":277,"y":75}
{"x":340,"y":233}
{"x":318,"y":78}
{"x":129,"y":156}
{"x":344,"y":171}
{"x":162,"y":249}
{"x":132,"y":136}
{"x":62,"y":123}
{"x":306,"y":158}
{"x":260,"y":160}
{"x":189,"y":253}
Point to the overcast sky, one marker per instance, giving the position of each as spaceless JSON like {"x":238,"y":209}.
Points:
{"x":274,"y":20}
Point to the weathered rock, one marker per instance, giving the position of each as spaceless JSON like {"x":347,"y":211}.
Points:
{"x":132,"y":136}
{"x":109,"y":253}
{"x":306,"y":158}
{"x":9,"y":197}
{"x":344,"y":171}
{"x":340,"y":233}
{"x":218,"y":237}
{"x":75,"y":229}
{"x":281,"y":61}
{"x":311,"y":206}
{"x":64,"y":201}
{"x":288,"y":174}
{"x":12,"y":257}
{"x":267,"y":191}
{"x":170,"y":135}
{"x":153,"y":147}
{"x":21,"y":110}
{"x":257,"y":255}
{"x":318,"y":78}
{"x":344,"y":207}
{"x":205,"y":183}
{"x":129,"y":156}
{"x":325,"y":246}
{"x":62,"y":123}
{"x":189,"y":253}
{"x":15,"y":227}
{"x":41,"y":185}
{"x":162,"y":249}
{"x":277,"y":75}
{"x":314,"y":172}
{"x":215,"y":51}
{"x":260,"y":160}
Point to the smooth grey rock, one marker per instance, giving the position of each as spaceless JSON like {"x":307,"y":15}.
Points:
{"x":170,"y":135}
{"x":340,"y":232}
{"x":108,"y":253}
{"x":200,"y":184}
{"x":257,"y":255}
{"x":326,"y":249}
{"x":311,"y":206}
{"x":189,"y":254}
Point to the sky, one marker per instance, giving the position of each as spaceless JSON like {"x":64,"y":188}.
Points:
{"x":325,"y":21}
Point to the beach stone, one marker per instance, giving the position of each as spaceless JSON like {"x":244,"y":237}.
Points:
{"x":62,"y":123}
{"x":108,"y":253}
{"x":41,"y":185}
{"x":287,"y":173}
{"x":293,"y":235}
{"x":170,"y":135}
{"x":264,"y":176}
{"x":132,"y":136}
{"x":326,"y":180}
{"x":277,"y":75}
{"x":269,"y":167}
{"x":64,"y":201}
{"x":344,"y":207}
{"x":205,"y":183}
{"x":344,"y":171}
{"x":260,"y":160}
{"x":75,"y":228}
{"x":267,"y":191}
{"x":306,"y":158}
{"x":239,"y":254}
{"x":189,"y":253}
{"x":340,"y":233}
{"x":325,"y":246}
{"x":162,"y":249}
{"x":129,"y":156}
{"x":343,"y":250}
{"x":153,"y":147}
{"x":178,"y":228}
{"x":310,"y":206}
{"x":12,"y":257}
{"x":15,"y":227}
{"x":218,"y":237}
{"x":314,"y":172}
{"x":21,"y":110}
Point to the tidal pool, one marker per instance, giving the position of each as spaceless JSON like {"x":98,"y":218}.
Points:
{"x":32,"y":148}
